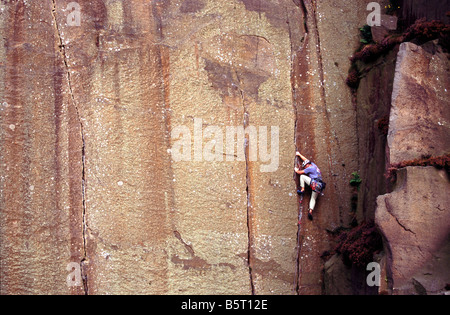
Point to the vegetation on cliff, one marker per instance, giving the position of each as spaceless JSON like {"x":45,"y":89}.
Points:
{"x":420,"y":32}
{"x":358,"y":245}
{"x":440,"y":162}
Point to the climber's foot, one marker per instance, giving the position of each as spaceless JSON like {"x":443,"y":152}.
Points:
{"x":310,"y":214}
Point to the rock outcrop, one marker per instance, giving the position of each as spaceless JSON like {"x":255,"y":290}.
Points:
{"x":415,"y":221}
{"x":414,"y":218}
{"x":402,"y":117}
{"x":373,"y":108}
{"x":420,"y":120}
{"x":41,"y":157}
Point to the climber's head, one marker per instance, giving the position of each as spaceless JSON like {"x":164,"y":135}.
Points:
{"x":306,"y":163}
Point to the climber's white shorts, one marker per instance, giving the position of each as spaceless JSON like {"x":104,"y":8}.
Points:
{"x":306,"y":179}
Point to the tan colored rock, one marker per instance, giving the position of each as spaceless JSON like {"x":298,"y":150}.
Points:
{"x":235,"y":74}
{"x":420,"y":120}
{"x":415,"y":222}
{"x":88,"y":174}
{"x":40,"y":157}
{"x":87,"y":171}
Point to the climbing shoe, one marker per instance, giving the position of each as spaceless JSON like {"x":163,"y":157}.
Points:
{"x":310,"y":215}
{"x":299,"y":192}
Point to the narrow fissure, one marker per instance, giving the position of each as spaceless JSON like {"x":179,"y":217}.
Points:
{"x":249,"y":251}
{"x":62,"y":50}
{"x":245,"y":123}
{"x":322,"y":79}
{"x":302,"y":6}
{"x":329,"y":131}
{"x":389,"y":210}
{"x":249,"y":204}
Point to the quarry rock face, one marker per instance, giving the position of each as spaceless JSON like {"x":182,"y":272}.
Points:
{"x":93,"y":198}
{"x":373,"y":108}
{"x":117,"y":172}
{"x":147,"y":147}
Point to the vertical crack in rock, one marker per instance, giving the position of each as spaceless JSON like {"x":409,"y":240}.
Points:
{"x":249,"y":220}
{"x":329,"y":132}
{"x":249,"y":203}
{"x":246,"y":121}
{"x":302,"y":6}
{"x":321,"y":75}
{"x":62,"y":50}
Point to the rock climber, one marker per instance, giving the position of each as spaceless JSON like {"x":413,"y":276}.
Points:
{"x":311,"y":175}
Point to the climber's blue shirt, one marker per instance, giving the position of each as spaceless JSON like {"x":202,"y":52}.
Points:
{"x":313,"y":172}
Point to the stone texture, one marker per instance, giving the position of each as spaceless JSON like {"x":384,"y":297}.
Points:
{"x":420,"y":120}
{"x":40,"y":156}
{"x":411,"y":10}
{"x":337,"y":277}
{"x":373,"y":107}
{"x":413,"y":218}
{"x":326,"y":127}
{"x":231,"y":73}
{"x":415,"y":222}
{"x":87,"y":114}
{"x":388,"y":23}
{"x":87,"y":172}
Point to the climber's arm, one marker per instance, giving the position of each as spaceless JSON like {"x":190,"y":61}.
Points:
{"x":301,"y":156}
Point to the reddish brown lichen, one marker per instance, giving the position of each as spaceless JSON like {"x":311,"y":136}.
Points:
{"x":440,"y":162}
{"x":358,"y":245}
{"x":383,"y":125}
{"x":353,"y":78}
{"x":423,"y":31}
